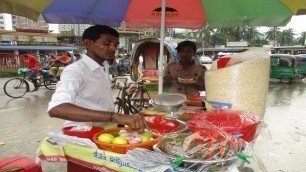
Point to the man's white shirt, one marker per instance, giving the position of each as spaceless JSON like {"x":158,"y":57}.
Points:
{"x":86,"y":84}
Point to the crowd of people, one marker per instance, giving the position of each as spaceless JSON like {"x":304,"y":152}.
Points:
{"x":120,"y":65}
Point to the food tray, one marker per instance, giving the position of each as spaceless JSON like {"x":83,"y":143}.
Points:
{"x":246,"y":150}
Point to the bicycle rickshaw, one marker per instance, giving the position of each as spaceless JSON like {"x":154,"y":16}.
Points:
{"x":144,"y":72}
{"x":145,"y":58}
{"x":19,"y":86}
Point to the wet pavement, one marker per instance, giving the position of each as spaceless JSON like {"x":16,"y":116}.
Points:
{"x":280,"y":145}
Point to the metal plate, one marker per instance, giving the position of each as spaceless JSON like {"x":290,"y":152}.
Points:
{"x":170,"y":99}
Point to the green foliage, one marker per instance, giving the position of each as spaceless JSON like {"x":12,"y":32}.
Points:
{"x":258,"y":42}
{"x":286,"y":37}
{"x":301,"y":39}
{"x":8,"y":73}
{"x":218,"y":39}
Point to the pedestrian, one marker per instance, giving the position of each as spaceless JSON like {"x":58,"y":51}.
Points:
{"x":84,"y":94}
{"x":32,"y":64}
{"x":185,"y":68}
{"x":113,"y":67}
{"x":121,"y":66}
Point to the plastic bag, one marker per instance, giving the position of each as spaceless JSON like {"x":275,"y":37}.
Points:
{"x":239,"y":123}
{"x":244,"y":82}
{"x":211,"y":144}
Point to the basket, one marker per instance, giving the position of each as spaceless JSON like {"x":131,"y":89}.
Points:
{"x":82,"y":134}
{"x":122,"y":149}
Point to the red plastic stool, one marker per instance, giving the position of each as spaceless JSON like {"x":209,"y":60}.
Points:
{"x":20,"y":164}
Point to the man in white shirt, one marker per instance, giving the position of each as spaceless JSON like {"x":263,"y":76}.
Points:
{"x":83,"y":95}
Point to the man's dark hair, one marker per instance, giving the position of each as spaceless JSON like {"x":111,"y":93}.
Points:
{"x":23,"y":52}
{"x":94,"y":32}
{"x":184,"y":44}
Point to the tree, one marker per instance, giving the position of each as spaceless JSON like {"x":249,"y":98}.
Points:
{"x":218,"y":38}
{"x":286,"y":37}
{"x":272,"y":34}
{"x":258,"y":42}
{"x":251,"y":33}
{"x":302,"y":38}
{"x":204,"y":36}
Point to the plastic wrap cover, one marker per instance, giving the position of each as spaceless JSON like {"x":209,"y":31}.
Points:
{"x":210,"y":144}
{"x":239,"y":123}
{"x":244,"y":82}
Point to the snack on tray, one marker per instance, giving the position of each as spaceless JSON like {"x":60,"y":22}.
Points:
{"x":202,"y":145}
{"x":81,"y":128}
{"x":186,"y":80}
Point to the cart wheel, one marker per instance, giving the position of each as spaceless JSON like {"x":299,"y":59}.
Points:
{"x":49,"y":84}
{"x":16,"y":87}
{"x":286,"y":80}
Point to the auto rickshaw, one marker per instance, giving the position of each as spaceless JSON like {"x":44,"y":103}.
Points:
{"x":301,"y":65}
{"x":285,"y":67}
{"x":144,"y":61}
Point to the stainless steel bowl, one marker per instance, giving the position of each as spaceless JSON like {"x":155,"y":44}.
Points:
{"x":164,"y":108}
{"x":170,"y":99}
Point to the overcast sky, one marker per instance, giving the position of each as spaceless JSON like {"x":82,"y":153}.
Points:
{"x":297,"y":23}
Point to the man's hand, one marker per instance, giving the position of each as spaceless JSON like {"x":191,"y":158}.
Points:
{"x":135,"y":122}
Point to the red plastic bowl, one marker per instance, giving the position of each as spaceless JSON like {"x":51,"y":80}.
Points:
{"x":161,"y":125}
{"x":82,"y":134}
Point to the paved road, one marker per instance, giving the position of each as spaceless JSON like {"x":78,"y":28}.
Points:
{"x":280,"y":146}
{"x":24,"y":123}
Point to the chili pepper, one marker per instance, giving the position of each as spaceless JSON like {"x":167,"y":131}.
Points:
{"x":158,"y":119}
{"x":222,"y":152}
{"x":208,"y":154}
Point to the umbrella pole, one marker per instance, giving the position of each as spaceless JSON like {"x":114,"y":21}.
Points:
{"x":161,"y":49}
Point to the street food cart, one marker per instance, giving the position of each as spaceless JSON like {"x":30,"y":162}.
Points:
{"x":213,"y":137}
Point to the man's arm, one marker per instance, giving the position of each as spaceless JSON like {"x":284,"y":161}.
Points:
{"x":75,"y":113}
{"x":72,"y":112}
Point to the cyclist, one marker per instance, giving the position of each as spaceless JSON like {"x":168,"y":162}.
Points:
{"x":32,"y":64}
{"x":57,"y":65}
